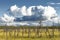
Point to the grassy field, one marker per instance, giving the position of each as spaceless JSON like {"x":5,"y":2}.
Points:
{"x":29,"y":33}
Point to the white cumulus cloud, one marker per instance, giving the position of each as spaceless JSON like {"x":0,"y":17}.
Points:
{"x":44,"y":12}
{"x":47,"y":11}
{"x":7,"y":18}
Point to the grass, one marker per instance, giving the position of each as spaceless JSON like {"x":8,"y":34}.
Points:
{"x":29,"y":33}
{"x":42,"y":38}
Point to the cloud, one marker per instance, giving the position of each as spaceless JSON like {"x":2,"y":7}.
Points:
{"x":56,"y":20}
{"x":52,"y":3}
{"x":7,"y":18}
{"x":19,"y":12}
{"x":50,"y":12}
{"x":55,"y":3}
{"x":40,"y":11}
{"x":44,"y":13}
{"x":58,"y":3}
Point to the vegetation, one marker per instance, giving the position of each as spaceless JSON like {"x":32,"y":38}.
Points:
{"x":29,"y":33}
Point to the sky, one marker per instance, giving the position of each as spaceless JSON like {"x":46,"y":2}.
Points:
{"x":5,"y":4}
{"x":27,"y":9}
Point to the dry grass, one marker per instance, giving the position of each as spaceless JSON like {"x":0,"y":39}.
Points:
{"x":32,"y":34}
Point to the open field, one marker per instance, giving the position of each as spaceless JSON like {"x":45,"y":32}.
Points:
{"x":29,"y":33}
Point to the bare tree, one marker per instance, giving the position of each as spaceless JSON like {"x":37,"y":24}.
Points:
{"x":53,"y":29}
